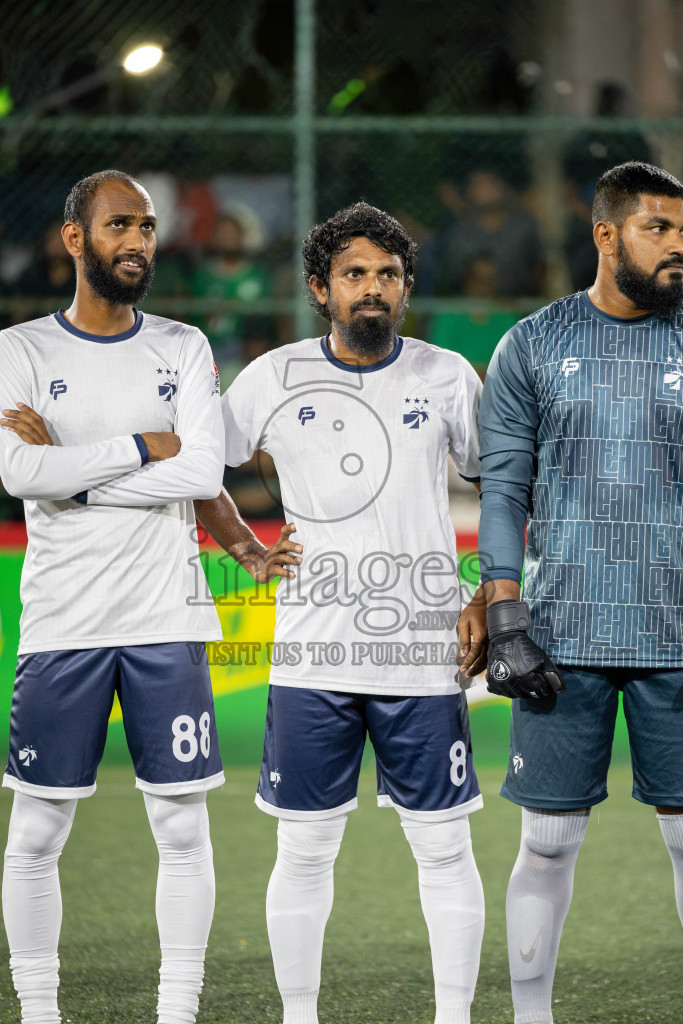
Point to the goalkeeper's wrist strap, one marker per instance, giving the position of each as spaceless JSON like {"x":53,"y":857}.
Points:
{"x":507,"y":617}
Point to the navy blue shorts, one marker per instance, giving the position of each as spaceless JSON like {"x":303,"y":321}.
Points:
{"x":560,"y":749}
{"x":60,"y":710}
{"x":314,"y":745}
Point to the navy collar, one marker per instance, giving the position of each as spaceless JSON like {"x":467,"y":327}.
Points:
{"x":104,"y":339}
{"x":356,"y":368}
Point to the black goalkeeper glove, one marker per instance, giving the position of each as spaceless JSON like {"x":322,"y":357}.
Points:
{"x":517,"y":667}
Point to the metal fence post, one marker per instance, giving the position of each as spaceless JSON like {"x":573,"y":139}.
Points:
{"x":304,"y":149}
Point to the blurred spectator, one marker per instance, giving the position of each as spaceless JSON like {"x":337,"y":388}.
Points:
{"x":198,"y":211}
{"x":503,"y":154}
{"x":14,"y":259}
{"x":485,"y":222}
{"x":230,"y":272}
{"x":586,"y":157}
{"x":474,"y":333}
{"x":173,"y":270}
{"x":50,"y":274}
{"x":264,"y":206}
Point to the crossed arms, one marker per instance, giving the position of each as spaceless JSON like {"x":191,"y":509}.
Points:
{"x":219,"y":516}
{"x":122,"y":470}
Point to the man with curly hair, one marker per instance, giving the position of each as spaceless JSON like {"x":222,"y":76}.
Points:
{"x":360,"y":423}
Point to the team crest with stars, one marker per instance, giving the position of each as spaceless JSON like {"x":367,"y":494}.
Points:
{"x":674,"y":375}
{"x":417,"y":414}
{"x":170,"y":385}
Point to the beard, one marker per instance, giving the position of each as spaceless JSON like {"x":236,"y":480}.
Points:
{"x":643,"y":289}
{"x":100,"y":275}
{"x":368,"y":335}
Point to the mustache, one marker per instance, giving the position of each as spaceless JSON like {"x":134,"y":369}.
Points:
{"x":371,"y":304}
{"x":675,"y":261}
{"x":140,"y":261}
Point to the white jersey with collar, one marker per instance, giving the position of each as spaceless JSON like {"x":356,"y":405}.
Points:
{"x":118,"y":566}
{"x":361,"y":454}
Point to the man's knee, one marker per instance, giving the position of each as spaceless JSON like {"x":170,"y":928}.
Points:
{"x":309,"y":847}
{"x":438,"y":843}
{"x":179,"y":824}
{"x":553,"y":836}
{"x":38,"y":827}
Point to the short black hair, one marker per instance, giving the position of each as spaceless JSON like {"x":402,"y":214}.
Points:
{"x":618,"y":191}
{"x":327,"y":240}
{"x":79,"y":200}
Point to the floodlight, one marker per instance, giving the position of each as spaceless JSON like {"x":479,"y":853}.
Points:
{"x":143,"y":58}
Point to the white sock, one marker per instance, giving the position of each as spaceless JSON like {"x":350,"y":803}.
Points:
{"x":453,"y":905}
{"x":32,"y":901}
{"x":672,"y":830}
{"x":298,"y":904}
{"x":185,"y":900}
{"x":538,"y":899}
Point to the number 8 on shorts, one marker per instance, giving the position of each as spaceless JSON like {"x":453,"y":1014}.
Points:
{"x":185,"y":745}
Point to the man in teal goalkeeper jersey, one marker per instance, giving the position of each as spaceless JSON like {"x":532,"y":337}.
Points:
{"x":582,"y":443}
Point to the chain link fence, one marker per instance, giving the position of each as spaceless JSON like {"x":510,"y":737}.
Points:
{"x":268,"y":115}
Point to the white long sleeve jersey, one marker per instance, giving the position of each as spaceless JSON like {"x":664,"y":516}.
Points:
{"x":361,"y":454}
{"x":119,"y":565}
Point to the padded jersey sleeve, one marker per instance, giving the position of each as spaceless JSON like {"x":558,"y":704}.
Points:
{"x":246,"y":411}
{"x":464,"y":436}
{"x":508,"y":420}
{"x":45,"y":472}
{"x":197,"y":470}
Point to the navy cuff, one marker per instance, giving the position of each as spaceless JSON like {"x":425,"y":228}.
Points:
{"x":500,"y":574}
{"x":142,"y":448}
{"x":470,"y":479}
{"x":81,"y":497}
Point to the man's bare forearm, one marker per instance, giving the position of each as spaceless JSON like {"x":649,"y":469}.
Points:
{"x":501,"y":590}
{"x":222,"y":521}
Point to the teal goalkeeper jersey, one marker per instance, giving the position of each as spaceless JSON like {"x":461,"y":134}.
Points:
{"x":582,"y":441}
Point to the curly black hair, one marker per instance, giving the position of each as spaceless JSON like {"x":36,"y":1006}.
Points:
{"x":618,"y":191}
{"x":327,"y":240}
{"x":79,"y":200}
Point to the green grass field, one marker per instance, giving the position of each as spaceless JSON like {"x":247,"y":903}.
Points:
{"x":620,"y":960}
